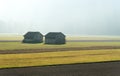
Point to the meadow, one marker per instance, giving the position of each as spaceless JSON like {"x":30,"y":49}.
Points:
{"x":21,"y":46}
{"x":58,"y":57}
{"x":11,"y":37}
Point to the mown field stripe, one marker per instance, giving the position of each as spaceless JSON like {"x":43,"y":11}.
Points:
{"x":55,"y":58}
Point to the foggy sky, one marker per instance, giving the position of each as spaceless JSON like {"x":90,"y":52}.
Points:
{"x":75,"y":17}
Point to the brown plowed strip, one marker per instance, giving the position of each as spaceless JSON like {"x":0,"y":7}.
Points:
{"x":92,"y":69}
{"x":56,"y":49}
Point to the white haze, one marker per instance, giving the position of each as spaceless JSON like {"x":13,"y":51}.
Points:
{"x":75,"y":17}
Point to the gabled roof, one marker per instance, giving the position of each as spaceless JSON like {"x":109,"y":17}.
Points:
{"x":32,"y":34}
{"x":53,"y":34}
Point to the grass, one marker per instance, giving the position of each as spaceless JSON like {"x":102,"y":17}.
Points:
{"x":55,"y":58}
{"x":9,"y":38}
{"x":93,"y":37}
{"x":19,"y":45}
{"x":20,"y":37}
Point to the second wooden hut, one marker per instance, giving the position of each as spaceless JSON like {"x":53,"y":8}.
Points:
{"x":55,"y":38}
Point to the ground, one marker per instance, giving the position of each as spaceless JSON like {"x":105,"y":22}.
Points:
{"x":91,"y":69}
{"x":106,"y":51}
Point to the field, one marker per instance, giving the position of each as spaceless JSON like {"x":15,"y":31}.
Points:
{"x":17,"y":54}
{"x":80,"y":56}
{"x":90,"y":69}
{"x":19,"y":45}
{"x":55,"y":58}
{"x":11,"y":37}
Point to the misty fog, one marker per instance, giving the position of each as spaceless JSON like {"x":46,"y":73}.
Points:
{"x":75,"y":17}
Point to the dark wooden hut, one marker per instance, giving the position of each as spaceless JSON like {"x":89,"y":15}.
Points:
{"x":55,"y":38}
{"x":33,"y":37}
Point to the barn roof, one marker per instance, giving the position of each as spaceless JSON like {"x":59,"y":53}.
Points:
{"x":32,"y":34}
{"x":53,"y":34}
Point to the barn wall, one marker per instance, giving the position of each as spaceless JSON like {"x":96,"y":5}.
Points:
{"x":49,"y":41}
{"x":55,"y":39}
{"x":60,"y":40}
{"x":36,"y":39}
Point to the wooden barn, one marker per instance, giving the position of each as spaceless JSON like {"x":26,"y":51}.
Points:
{"x":55,"y":38}
{"x":33,"y":37}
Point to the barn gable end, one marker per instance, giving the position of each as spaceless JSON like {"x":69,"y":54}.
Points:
{"x":55,"y":38}
{"x":33,"y":37}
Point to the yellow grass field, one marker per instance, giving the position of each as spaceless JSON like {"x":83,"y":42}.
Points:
{"x":19,"y":45}
{"x":20,"y":37}
{"x":11,"y":37}
{"x":55,"y":58}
